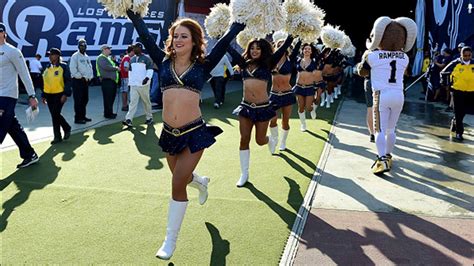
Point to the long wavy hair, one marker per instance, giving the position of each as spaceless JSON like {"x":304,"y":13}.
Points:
{"x":197,"y":36}
{"x":265,"y":56}
{"x":314,"y":51}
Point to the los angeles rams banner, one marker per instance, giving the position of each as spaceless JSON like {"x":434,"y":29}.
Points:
{"x":34,"y":26}
{"x":450,"y":22}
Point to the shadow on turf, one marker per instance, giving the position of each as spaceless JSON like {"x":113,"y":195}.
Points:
{"x":147,"y":144}
{"x":345,"y":246}
{"x":37,"y":176}
{"x":295,"y":198}
{"x":220,"y":247}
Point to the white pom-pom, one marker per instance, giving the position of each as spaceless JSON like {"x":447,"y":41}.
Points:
{"x":264,"y":16}
{"x":245,"y":36}
{"x":332,"y":37}
{"x":279,"y":35}
{"x":303,"y":19}
{"x":118,"y":8}
{"x":346,"y":46}
{"x":218,"y":20}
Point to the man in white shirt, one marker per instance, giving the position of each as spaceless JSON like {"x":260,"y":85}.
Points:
{"x":12,"y":65}
{"x":35,"y":72}
{"x":220,"y":74}
{"x":81,"y":72}
{"x":139,"y":78}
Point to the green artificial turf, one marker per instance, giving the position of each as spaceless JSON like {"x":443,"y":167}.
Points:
{"x":102,"y":197}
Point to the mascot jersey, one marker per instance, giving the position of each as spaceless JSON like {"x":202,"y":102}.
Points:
{"x":387,"y":69}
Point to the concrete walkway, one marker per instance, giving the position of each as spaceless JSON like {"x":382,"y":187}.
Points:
{"x":422,"y":212}
{"x":41,"y":129}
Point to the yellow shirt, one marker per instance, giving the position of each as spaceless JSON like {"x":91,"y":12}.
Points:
{"x":426,"y":64}
{"x":53,"y":79}
{"x":463,"y":77}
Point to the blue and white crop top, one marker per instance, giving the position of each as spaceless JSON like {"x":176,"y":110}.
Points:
{"x":287,"y":67}
{"x":309,"y":68}
{"x":261,"y":72}
{"x":195,"y":76}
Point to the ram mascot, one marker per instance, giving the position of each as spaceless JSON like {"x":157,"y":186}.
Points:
{"x":385,"y":63}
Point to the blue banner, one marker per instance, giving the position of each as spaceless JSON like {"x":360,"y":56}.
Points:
{"x":449,"y":22}
{"x":34,"y":26}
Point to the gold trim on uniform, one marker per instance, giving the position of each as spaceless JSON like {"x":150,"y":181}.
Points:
{"x":375,"y":109}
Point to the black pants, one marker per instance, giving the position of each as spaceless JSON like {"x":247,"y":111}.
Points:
{"x":462,"y":101}
{"x":55,"y":106}
{"x":80,"y":90}
{"x":9,"y":124}
{"x":37,"y":79}
{"x":109,"y":90}
{"x":218,"y":87}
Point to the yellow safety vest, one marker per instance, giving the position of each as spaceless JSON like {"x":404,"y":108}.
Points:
{"x":111,"y":62}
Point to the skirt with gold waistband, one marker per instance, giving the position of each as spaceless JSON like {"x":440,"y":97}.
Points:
{"x":304,"y":90}
{"x":256,"y":112}
{"x":196,"y":135}
{"x":282,"y":99}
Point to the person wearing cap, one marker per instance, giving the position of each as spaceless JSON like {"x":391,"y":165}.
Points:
{"x":57,"y":87}
{"x":140,"y":74}
{"x":461,"y":75}
{"x":12,"y":65}
{"x":124,"y":67}
{"x":457,"y":52}
{"x":80,"y":67}
{"x":109,"y":75}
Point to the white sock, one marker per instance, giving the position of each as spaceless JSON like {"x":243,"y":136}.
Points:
{"x":381,"y":143}
{"x":391,"y":138}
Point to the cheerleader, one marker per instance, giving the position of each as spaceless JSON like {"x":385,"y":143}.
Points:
{"x":281,"y":95}
{"x":185,"y":134}
{"x":304,"y":88}
{"x":255,"y":110}
{"x":319,"y":83}
{"x":332,"y":74}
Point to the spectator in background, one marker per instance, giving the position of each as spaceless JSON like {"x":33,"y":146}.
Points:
{"x":124,"y":68}
{"x":457,"y":52}
{"x":220,"y":74}
{"x":107,"y":70}
{"x":156,"y":96}
{"x":35,"y":72}
{"x":57,"y":87}
{"x":462,"y":78}
{"x":80,"y":67}
{"x":12,"y":65}
{"x":141,"y":72}
{"x":434,"y":75}
{"x":424,"y":69}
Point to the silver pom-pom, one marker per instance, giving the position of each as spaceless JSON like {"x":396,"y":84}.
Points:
{"x":261,"y":17}
{"x":218,"y":20}
{"x":332,"y":37}
{"x":303,"y":19}
{"x":118,"y":8}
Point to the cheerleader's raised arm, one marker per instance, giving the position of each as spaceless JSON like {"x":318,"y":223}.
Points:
{"x":147,"y":39}
{"x":219,"y":50}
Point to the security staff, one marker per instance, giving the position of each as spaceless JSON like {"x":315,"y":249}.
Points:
{"x":81,"y":72}
{"x":462,"y":80}
{"x":57,"y":87}
{"x":108,"y":72}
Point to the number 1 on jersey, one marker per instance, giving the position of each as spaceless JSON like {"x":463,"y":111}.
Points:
{"x":392,"y":78}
